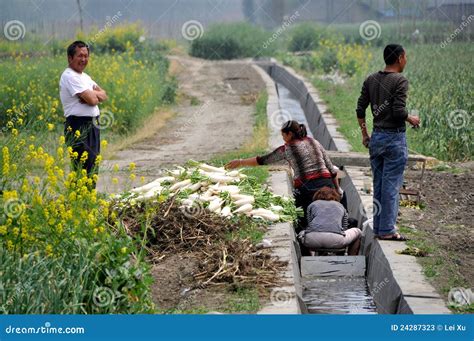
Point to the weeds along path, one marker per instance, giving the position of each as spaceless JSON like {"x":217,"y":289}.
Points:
{"x":214,"y":115}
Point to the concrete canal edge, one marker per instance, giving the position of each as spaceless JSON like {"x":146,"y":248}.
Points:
{"x":396,"y":281}
{"x":285,"y":299}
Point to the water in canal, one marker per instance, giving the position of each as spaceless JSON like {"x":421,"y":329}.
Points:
{"x":333,"y":294}
{"x":338,"y":295}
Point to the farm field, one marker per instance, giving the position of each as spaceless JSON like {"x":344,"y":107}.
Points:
{"x":440,"y":93}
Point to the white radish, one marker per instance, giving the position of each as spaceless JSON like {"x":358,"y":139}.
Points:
{"x":180,"y":185}
{"x":244,"y":201}
{"x":276,"y":208}
{"x":234,"y":173}
{"x":220,"y":178}
{"x":150,"y":194}
{"x":188,"y":202}
{"x":207,"y":196}
{"x":259,"y":211}
{"x":148,"y":186}
{"x":226,"y":212}
{"x":195,"y":187}
{"x":270,"y":216}
{"x":209,"y":168}
{"x":215,"y":205}
{"x":176,"y":172}
{"x":194,"y":196}
{"x":231,"y":189}
{"x":243,"y":209}
{"x":237,"y":197}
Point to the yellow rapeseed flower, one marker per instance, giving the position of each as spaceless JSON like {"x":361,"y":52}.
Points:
{"x":49,"y":249}
{"x":98,"y":159}
{"x":84,"y":156}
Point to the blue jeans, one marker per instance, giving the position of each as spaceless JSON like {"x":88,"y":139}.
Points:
{"x":388,"y":157}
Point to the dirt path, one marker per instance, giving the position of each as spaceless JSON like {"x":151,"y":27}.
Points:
{"x":214,"y":115}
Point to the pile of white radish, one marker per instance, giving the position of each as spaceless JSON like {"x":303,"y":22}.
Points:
{"x":215,"y":189}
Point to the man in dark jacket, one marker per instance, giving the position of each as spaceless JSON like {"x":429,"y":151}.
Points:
{"x":386,"y":92}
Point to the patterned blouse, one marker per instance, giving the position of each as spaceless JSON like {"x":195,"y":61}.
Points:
{"x":306,"y":157}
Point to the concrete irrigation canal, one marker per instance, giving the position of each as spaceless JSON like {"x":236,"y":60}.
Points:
{"x":378,"y":280}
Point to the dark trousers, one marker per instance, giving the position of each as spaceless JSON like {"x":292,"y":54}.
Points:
{"x":88,"y":141}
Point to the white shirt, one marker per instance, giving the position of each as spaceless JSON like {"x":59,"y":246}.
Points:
{"x":71,"y":84}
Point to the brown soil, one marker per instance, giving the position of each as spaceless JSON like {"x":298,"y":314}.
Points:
{"x":197,"y":257}
{"x":445,"y":225}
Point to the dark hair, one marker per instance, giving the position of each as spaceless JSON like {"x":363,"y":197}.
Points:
{"x":71,"y":49}
{"x":392,"y":52}
{"x":327,"y":193}
{"x":298,"y":130}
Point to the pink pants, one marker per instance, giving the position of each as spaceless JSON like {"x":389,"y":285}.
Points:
{"x":329,"y":240}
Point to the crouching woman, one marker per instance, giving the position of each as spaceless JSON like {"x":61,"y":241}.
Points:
{"x":328,"y":226}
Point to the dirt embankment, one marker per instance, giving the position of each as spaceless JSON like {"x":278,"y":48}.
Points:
{"x":445,"y":226}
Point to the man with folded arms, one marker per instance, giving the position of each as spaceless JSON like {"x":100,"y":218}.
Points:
{"x":80,"y":97}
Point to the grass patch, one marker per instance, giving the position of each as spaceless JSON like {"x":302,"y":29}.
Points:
{"x":229,"y":41}
{"x":341,"y":101}
{"x":439,"y":265}
{"x":243,"y":300}
{"x":445,"y":167}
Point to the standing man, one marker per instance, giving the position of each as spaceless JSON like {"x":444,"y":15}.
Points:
{"x":386,"y":92}
{"x":80,"y":97}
